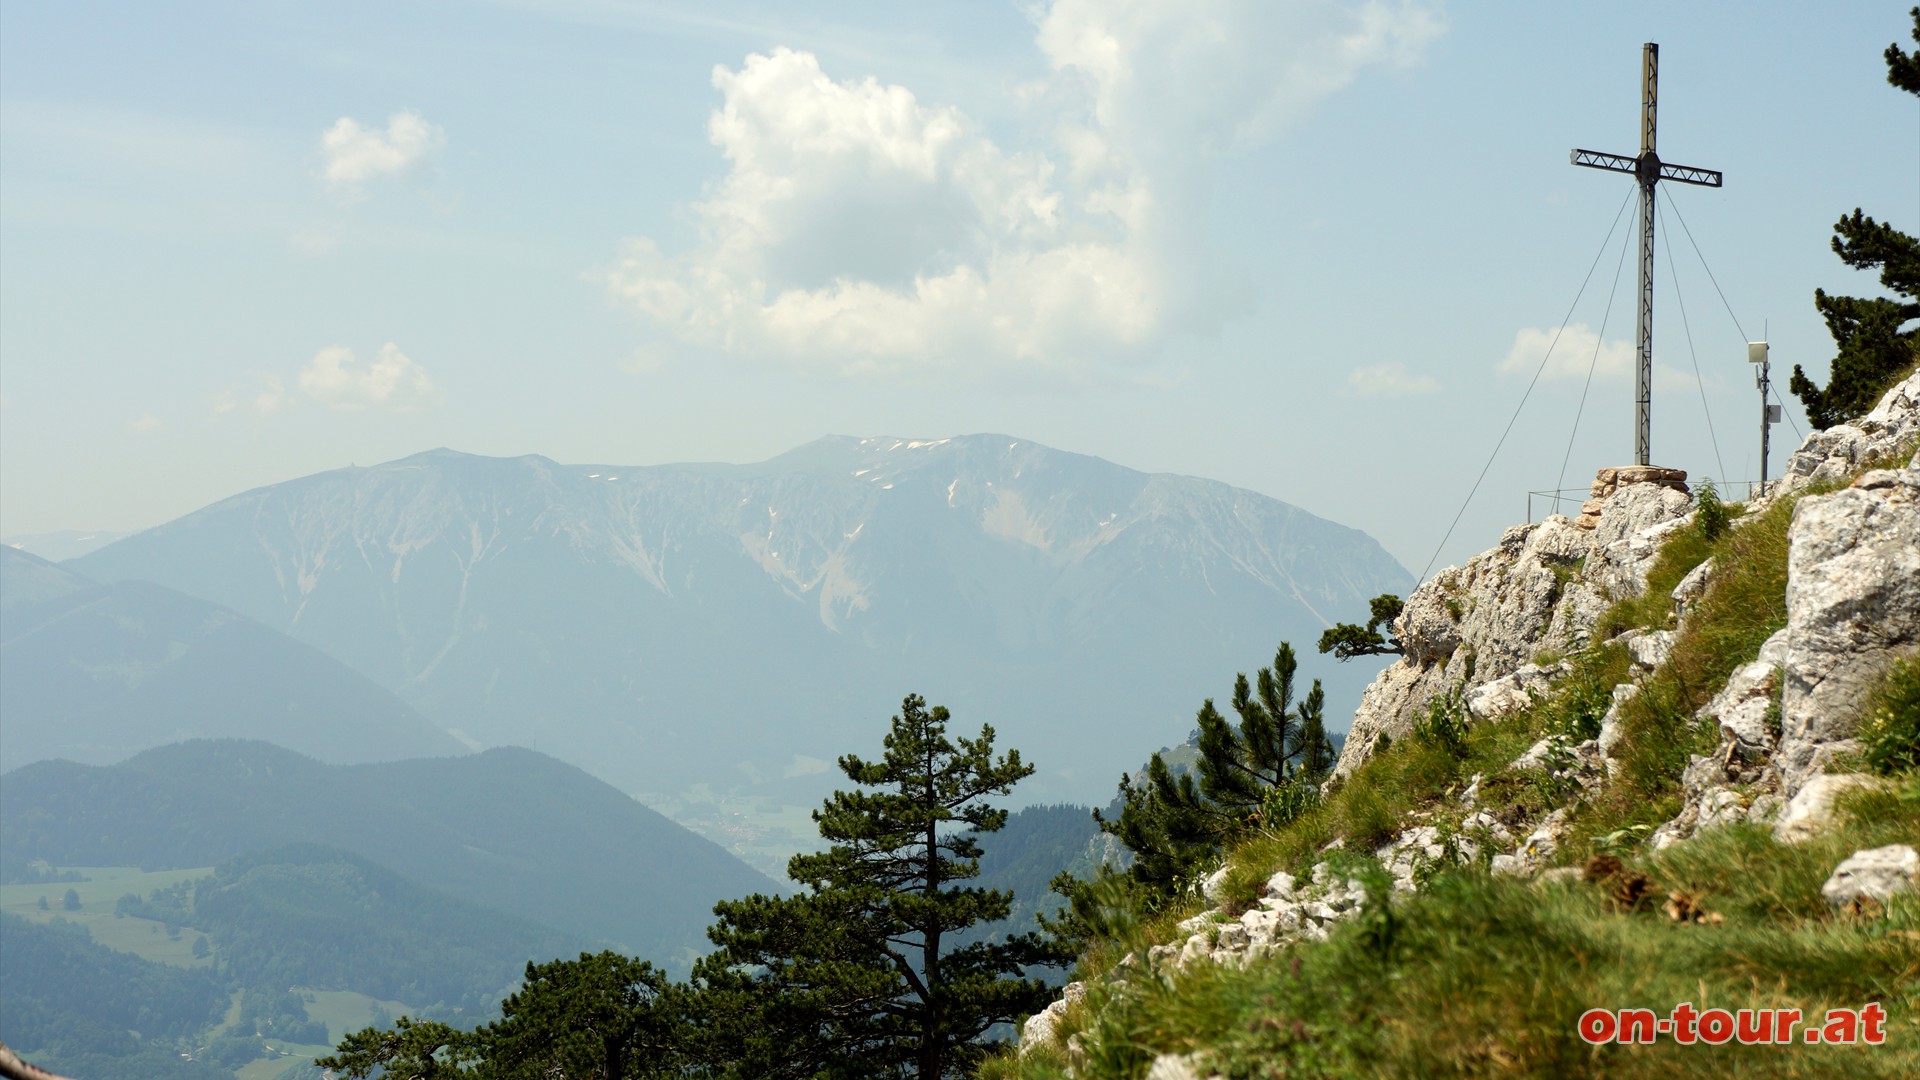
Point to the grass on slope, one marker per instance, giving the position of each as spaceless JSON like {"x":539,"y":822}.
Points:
{"x":1478,"y":976}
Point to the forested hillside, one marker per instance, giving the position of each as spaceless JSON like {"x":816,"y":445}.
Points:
{"x":509,"y":828}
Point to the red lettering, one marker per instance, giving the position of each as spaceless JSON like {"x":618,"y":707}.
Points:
{"x":1598,"y":1025}
{"x":1683,"y":1020}
{"x":1784,"y":1021}
{"x":1843,"y":1026}
{"x":1637,"y":1026}
{"x":1756,"y":1026}
{"x":1716,"y":1026}
{"x":1872,"y":1017}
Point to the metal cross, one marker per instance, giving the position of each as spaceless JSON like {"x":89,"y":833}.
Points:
{"x":1649,"y":170}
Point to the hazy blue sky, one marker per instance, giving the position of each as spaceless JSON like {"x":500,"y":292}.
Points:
{"x":1302,"y":246}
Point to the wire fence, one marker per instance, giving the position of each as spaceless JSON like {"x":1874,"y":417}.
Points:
{"x":1568,"y":500}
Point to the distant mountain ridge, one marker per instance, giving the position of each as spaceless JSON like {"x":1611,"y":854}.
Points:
{"x":673,"y":624}
{"x":509,"y":829}
{"x":95,"y":673}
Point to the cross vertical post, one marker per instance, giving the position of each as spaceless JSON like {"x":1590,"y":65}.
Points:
{"x":1643,"y":317}
{"x":1647,"y":170}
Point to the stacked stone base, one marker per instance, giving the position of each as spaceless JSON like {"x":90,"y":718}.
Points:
{"x":1608,"y":481}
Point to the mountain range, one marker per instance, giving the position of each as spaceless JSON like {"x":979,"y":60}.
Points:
{"x":673,"y":625}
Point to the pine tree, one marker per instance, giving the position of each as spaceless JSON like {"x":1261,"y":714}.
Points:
{"x":1313,"y":750}
{"x":601,"y":1017}
{"x":859,"y":976}
{"x":1872,"y":348}
{"x":1245,"y":775}
{"x":1347,"y":640}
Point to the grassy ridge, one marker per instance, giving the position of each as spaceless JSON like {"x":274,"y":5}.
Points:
{"x":1482,"y":976}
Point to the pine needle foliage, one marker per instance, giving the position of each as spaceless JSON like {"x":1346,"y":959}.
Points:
{"x":860,"y":975}
{"x":1245,"y":777}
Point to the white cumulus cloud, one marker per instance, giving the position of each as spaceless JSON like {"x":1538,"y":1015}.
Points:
{"x":337,"y":379}
{"x":860,"y":229}
{"x":354,"y":154}
{"x":1389,"y":380}
{"x":1575,"y":349}
{"x":1579,"y":349}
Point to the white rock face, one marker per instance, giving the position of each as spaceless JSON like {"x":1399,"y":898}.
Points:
{"x":1742,"y":708}
{"x":1691,"y":589}
{"x":1619,"y":566}
{"x":1213,"y":888}
{"x":1839,"y":451}
{"x":1811,"y":808}
{"x":1044,"y":1026}
{"x":1611,"y":729}
{"x":1873,"y":874}
{"x":1511,"y":693}
{"x":1853,"y":604}
{"x":1541,"y":589}
{"x":1538,"y":848}
{"x":1649,"y":651}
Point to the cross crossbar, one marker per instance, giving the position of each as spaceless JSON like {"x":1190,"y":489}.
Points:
{"x":1685,"y":174}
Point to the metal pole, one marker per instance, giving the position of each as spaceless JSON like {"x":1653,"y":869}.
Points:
{"x":1649,"y":174}
{"x":1765,"y":425}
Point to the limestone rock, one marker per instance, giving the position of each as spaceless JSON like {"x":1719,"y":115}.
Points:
{"x":1541,"y":844}
{"x":1742,"y":709}
{"x":1649,"y":651}
{"x":1044,"y":1026}
{"x":1215,"y":885}
{"x":1279,"y":886}
{"x":1611,"y":729}
{"x":1691,"y":589}
{"x":1838,"y":451}
{"x":1540,"y":755}
{"x":1811,"y":808}
{"x":1511,"y":693}
{"x":1539,"y":590}
{"x":1620,"y":567}
{"x":1873,"y":874}
{"x":1853,"y":604}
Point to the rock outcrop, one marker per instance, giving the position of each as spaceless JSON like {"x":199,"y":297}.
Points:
{"x":1853,"y":605}
{"x":1875,"y":874}
{"x":1853,"y":608}
{"x":1472,"y":631}
{"x":1608,"y":481}
{"x":1842,"y":450}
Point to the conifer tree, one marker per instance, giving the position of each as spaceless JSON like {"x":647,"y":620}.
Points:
{"x":859,"y":975}
{"x":1313,"y":750}
{"x":601,"y":1017}
{"x":1173,"y":822}
{"x":1347,"y":640}
{"x":1872,"y":344}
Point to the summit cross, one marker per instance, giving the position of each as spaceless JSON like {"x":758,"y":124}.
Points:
{"x":1648,"y":170}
